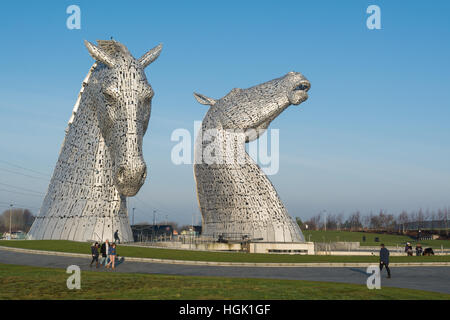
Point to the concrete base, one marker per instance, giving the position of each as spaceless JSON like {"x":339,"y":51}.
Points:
{"x":282,"y":247}
{"x":254,"y":247}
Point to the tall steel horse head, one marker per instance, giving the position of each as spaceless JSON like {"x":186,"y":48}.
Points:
{"x":122,"y":97}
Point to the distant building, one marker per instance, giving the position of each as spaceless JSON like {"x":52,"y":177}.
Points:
{"x":198,"y":229}
{"x":424,"y":225}
{"x":193,"y":231}
{"x":150,"y":232}
{"x":15,"y":235}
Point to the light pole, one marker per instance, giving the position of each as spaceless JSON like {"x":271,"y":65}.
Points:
{"x":10,"y":219}
{"x":446,"y":221}
{"x":132,"y":220}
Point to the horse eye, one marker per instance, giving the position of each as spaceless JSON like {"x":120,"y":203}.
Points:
{"x":146,"y":95}
{"x":109,"y":93}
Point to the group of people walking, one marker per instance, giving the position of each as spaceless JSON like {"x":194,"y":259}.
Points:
{"x":409,"y":249}
{"x":384,"y":255}
{"x":419,"y":250}
{"x":109,"y":254}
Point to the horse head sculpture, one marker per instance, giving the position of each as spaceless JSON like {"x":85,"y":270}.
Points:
{"x":236,"y":197}
{"x":256,"y":107}
{"x":122,"y":98}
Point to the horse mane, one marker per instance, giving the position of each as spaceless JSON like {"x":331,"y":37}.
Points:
{"x":112,"y":47}
{"x":77,"y":103}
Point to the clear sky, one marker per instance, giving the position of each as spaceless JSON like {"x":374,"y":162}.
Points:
{"x":374,"y":134}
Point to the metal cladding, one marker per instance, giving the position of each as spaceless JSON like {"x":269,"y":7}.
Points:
{"x":234,"y":195}
{"x":101,"y":161}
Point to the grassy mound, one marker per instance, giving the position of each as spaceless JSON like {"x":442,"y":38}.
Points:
{"x":23,"y":282}
{"x":142,"y":252}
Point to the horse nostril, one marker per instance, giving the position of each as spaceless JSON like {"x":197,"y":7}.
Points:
{"x":120,"y":174}
{"x":144,"y":175}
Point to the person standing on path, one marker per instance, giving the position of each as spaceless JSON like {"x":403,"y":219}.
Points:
{"x":116,"y":236}
{"x":112,"y":256}
{"x":94,"y":252}
{"x":419,"y":249}
{"x":408,"y":249}
{"x":104,"y":254}
{"x":384,"y":260}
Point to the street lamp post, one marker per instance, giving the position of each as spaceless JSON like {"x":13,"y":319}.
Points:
{"x":132,"y":220}
{"x":10,"y":219}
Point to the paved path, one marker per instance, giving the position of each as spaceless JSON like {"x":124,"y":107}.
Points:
{"x":424,"y":278}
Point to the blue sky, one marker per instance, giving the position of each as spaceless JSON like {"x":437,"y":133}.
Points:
{"x":373,"y":135}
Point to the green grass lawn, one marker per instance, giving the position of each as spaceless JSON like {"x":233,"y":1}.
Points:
{"x":23,"y":282}
{"x":387,"y":239}
{"x":142,"y":252}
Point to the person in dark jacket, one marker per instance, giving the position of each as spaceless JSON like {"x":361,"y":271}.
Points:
{"x":384,"y":259}
{"x":104,"y":252}
{"x":419,"y":249}
{"x":408,"y":249}
{"x":94,"y":252}
{"x":116,"y":236}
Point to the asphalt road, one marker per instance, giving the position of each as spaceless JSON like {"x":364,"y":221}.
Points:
{"x":423,"y":278}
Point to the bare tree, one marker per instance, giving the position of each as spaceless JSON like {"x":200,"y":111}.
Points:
{"x":366,"y":221}
{"x":354,"y":221}
{"x":340,"y":221}
{"x":300,"y":223}
{"x":432,"y":218}
{"x":331,"y":222}
{"x":420,"y":218}
{"x":389,"y":222}
{"x":443,"y":218}
{"x":403,"y":219}
{"x":314,"y":222}
{"x":376,"y":222}
{"x":21,"y":220}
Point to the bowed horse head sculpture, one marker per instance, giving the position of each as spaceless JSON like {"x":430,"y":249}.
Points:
{"x":237,"y":198}
{"x":123,"y":101}
{"x":256,"y":107}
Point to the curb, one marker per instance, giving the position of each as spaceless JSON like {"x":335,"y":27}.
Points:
{"x":238,"y":264}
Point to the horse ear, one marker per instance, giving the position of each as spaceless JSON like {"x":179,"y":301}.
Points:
{"x":204,"y":99}
{"x":98,"y":54}
{"x":150,"y":56}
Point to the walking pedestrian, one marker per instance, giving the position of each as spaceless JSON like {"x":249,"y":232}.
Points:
{"x":408,"y":249}
{"x":419,"y":249}
{"x":116,"y":236}
{"x":94,"y":252}
{"x":104,"y":251}
{"x":384,"y":260}
{"x":112,"y":256}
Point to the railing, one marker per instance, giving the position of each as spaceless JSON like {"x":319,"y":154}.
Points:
{"x":356,"y":247}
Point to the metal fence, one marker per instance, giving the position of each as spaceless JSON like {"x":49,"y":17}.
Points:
{"x":345,"y":246}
